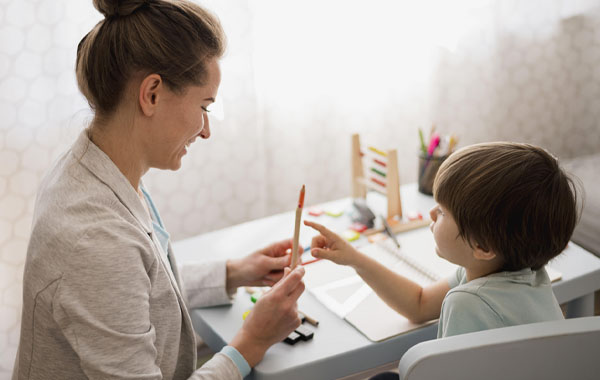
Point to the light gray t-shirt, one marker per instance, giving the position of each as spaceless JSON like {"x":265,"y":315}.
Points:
{"x":497,"y":300}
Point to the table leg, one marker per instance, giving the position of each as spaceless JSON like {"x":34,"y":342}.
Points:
{"x":581,"y":307}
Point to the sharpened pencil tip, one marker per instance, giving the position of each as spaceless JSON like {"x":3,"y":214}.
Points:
{"x":301,"y":199}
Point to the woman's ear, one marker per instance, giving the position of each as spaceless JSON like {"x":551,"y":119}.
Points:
{"x":149,"y":95}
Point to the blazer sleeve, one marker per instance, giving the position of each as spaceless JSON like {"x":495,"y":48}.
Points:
{"x":219,"y":367}
{"x":205,"y":283}
{"x":102,"y":307}
{"x":102,"y":304}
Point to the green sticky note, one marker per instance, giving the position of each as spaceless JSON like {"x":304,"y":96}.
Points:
{"x":255,"y":296}
{"x":334,"y":213}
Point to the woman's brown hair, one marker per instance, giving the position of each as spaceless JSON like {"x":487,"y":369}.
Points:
{"x":172,"y":38}
{"x":513,"y":199}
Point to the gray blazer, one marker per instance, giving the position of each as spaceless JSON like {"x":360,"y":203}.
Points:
{"x":98,"y":301}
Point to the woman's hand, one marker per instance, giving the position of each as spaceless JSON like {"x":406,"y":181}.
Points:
{"x":274,"y":317}
{"x":328,"y":245}
{"x":261,"y":268}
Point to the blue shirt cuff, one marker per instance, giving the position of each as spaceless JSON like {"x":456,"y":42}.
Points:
{"x":238,"y":359}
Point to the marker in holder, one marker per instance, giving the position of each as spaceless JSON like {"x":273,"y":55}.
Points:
{"x":428,"y":168}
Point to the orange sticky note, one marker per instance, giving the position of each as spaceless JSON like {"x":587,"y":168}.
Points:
{"x":377,"y":237}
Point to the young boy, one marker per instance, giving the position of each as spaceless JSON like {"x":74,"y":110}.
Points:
{"x":504,"y":210}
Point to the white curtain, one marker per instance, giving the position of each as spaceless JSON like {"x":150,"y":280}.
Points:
{"x":300,"y":77}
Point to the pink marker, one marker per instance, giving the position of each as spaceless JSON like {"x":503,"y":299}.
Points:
{"x":433,"y":143}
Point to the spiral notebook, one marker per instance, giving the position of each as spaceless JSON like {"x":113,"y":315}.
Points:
{"x":343,"y":292}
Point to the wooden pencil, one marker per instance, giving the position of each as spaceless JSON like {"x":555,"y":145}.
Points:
{"x":295,"y":253}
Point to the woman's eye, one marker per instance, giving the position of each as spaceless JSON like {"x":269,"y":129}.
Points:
{"x":205,"y":109}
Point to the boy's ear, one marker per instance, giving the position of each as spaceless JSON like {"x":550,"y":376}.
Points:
{"x":481,"y":253}
{"x":150,"y":89}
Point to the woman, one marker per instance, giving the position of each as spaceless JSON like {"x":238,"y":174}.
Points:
{"x":103,"y":297}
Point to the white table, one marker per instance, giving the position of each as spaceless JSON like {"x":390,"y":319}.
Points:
{"x":338,"y":349}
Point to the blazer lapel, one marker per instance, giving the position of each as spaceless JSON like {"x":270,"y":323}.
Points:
{"x":97,"y":162}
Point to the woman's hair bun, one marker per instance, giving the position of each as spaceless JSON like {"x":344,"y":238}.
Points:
{"x":115,"y":8}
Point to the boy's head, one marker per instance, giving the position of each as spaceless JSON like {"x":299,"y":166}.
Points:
{"x":510,"y":198}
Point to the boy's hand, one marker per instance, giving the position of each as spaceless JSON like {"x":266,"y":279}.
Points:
{"x":274,"y":316}
{"x":261,"y":268}
{"x":328,"y":245}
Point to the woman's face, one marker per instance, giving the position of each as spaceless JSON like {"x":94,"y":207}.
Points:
{"x":180,"y":119}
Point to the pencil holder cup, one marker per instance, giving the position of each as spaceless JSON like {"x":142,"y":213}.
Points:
{"x":428,"y":168}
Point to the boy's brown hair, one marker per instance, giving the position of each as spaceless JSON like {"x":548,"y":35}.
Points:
{"x":510,"y":198}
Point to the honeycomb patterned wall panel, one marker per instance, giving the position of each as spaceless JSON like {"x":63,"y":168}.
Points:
{"x":525,"y":70}
{"x":39,"y":104}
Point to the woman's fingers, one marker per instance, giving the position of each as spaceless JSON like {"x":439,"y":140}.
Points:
{"x":290,"y":280}
{"x":277,"y":249}
{"x":278,"y":263}
{"x":297,"y":291}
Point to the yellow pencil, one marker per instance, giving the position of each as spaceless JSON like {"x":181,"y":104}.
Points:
{"x":297,"y":229}
{"x":451,"y":144}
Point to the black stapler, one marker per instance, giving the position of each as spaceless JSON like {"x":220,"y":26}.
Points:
{"x":362,"y":213}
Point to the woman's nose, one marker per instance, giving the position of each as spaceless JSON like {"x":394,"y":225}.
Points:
{"x":205,"y":132}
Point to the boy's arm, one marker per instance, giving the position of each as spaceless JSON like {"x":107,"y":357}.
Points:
{"x":418,"y":304}
{"x":401,"y":294}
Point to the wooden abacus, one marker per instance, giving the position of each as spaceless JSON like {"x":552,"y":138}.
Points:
{"x":381,"y":176}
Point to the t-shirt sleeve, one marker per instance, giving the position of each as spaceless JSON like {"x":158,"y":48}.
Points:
{"x":457,"y":278}
{"x":464,"y":312}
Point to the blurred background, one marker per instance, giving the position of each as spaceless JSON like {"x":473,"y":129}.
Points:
{"x":299,"y":78}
